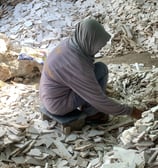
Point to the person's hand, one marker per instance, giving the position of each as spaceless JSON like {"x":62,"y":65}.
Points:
{"x":136,"y":113}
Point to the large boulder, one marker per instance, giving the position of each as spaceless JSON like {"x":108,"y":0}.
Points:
{"x":10,"y":66}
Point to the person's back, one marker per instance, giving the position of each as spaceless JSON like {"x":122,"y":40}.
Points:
{"x":60,"y":70}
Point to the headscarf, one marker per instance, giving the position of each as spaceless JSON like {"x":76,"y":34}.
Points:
{"x":90,"y":36}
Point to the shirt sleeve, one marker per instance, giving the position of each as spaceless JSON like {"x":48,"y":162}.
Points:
{"x":84,"y":84}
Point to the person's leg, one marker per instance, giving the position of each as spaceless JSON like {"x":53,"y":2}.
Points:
{"x":93,"y":115}
{"x":101,"y":73}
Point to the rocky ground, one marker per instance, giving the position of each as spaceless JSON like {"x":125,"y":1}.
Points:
{"x":28,"y":141}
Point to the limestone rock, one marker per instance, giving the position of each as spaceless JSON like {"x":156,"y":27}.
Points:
{"x":12,"y":67}
{"x":119,"y":159}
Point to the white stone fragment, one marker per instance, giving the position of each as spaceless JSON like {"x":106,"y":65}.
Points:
{"x":71,"y":137}
{"x":154,"y":109}
{"x":19,"y":160}
{"x":61,"y":163}
{"x":33,"y":23}
{"x":93,"y":163}
{"x":62,"y":150}
{"x":148,"y":118}
{"x":94,"y":133}
{"x":115,"y":165}
{"x":127,"y":135}
{"x":28,"y":23}
{"x":3,"y":46}
{"x":34,"y":152}
{"x":98,"y":55}
{"x":134,"y":159}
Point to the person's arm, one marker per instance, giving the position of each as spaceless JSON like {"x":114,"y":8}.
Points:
{"x":86,"y":86}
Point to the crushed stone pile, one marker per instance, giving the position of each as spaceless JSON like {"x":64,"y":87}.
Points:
{"x":134,"y":84}
{"x":144,"y":136}
{"x":132,"y":24}
{"x":27,"y":140}
{"x":19,"y":63}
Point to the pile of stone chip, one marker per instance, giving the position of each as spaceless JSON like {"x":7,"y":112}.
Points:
{"x":144,"y":136}
{"x":132,"y":24}
{"x":26,"y":140}
{"x":133,"y":84}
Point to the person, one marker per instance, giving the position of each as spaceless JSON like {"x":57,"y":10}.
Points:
{"x":71,"y":79}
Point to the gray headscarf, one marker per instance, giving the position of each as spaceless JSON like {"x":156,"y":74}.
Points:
{"x":90,"y":36}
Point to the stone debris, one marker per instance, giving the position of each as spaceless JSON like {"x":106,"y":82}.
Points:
{"x":31,"y":28}
{"x":144,"y":135}
{"x":132,"y":24}
{"x":134,"y":83}
{"x":131,"y":27}
{"x":27,"y":140}
{"x":22,"y":70}
{"x":124,"y":158}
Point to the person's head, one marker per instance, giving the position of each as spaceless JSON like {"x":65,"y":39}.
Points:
{"x":91,"y":36}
